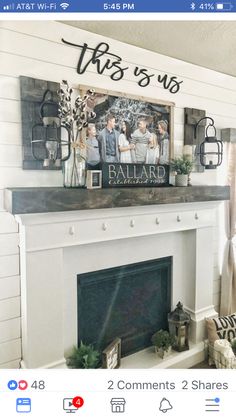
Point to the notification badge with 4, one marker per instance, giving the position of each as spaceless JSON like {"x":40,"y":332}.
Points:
{"x":77,"y":402}
{"x":71,"y":405}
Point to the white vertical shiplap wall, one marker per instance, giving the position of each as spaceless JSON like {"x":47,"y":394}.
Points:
{"x":35,"y":49}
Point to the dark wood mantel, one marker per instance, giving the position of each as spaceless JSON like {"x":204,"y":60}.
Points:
{"x":36,"y":200}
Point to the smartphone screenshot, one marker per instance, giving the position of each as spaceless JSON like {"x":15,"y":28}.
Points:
{"x":117,"y":209}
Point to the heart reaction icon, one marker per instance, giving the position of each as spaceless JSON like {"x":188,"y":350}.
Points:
{"x":22,"y":385}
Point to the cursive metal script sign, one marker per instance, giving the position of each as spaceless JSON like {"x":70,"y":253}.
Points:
{"x":102,"y":59}
{"x":121,"y":174}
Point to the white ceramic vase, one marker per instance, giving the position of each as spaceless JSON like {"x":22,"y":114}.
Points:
{"x":181,"y":180}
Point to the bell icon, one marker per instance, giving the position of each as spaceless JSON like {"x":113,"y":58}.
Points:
{"x":165,"y":405}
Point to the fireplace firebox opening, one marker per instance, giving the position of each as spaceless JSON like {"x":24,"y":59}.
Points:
{"x":130,"y":302}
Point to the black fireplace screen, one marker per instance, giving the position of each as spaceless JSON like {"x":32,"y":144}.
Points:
{"x":130,"y":302}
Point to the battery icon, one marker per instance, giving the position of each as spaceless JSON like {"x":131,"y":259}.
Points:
{"x":224,"y":6}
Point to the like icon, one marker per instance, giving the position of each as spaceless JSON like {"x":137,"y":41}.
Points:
{"x":12,"y":385}
{"x":22,"y":385}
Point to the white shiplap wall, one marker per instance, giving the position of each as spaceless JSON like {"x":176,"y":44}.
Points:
{"x":35,"y":49}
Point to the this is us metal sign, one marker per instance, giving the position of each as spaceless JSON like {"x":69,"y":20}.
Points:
{"x":102,"y":59}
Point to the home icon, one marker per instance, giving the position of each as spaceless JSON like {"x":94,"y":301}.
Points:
{"x":118,"y":405}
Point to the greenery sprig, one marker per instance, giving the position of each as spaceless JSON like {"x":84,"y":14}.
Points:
{"x":85,"y":356}
{"x":182,"y":165}
{"x":163,"y":339}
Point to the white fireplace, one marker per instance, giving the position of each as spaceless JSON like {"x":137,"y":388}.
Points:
{"x":56,"y":247}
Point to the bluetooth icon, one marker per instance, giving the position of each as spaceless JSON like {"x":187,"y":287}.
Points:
{"x":193,"y":6}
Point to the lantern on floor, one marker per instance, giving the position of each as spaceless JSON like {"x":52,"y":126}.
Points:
{"x":50,"y":141}
{"x":179,"y":322}
{"x":211,"y":149}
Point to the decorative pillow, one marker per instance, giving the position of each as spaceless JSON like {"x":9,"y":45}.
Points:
{"x":221,"y":328}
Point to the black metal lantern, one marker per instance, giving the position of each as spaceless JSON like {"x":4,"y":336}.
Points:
{"x":179,"y":322}
{"x":50,"y":142}
{"x":211,"y":149}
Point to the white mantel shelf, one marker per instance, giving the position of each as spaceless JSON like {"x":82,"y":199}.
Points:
{"x":41,"y":200}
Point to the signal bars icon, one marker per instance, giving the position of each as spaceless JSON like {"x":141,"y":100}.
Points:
{"x":8,"y":7}
{"x":64,"y":5}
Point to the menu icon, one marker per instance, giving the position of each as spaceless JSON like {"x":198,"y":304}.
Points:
{"x":212,"y":405}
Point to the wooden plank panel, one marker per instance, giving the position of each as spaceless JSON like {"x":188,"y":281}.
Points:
{"x":19,"y":177}
{"x":9,"y":265}
{"x":9,"y":110}
{"x":16,"y":65}
{"x":216,"y":260}
{"x":9,"y":287}
{"x":9,"y":244}
{"x":206,"y":178}
{"x":10,"y":329}
{"x":216,"y":272}
{"x":8,"y":223}
{"x":221,"y":121}
{"x":9,"y":87}
{"x":10,"y":133}
{"x":10,"y":350}
{"x":228,"y":135}
{"x":216,"y":286}
{"x":10,"y":155}
{"x":178,"y":133}
{"x":38,"y":49}
{"x":9,"y":309}
{"x":1,"y":200}
{"x":216,"y":299}
{"x":178,"y":148}
{"x":15,"y":364}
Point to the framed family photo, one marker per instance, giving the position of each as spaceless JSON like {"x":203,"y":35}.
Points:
{"x":130,"y":139}
{"x":94,"y":179}
{"x":111,"y":356}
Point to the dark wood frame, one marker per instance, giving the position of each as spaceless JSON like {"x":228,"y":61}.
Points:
{"x":115,"y":344}
{"x":32,"y":92}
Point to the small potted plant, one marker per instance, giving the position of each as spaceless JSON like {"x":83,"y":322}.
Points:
{"x":85,"y":356}
{"x":182,"y":166}
{"x":162,"y":341}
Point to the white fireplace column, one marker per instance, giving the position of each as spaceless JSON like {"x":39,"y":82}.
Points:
{"x":55,"y":247}
{"x":199,"y":281}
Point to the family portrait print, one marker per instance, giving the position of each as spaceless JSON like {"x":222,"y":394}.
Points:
{"x":129,"y":130}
